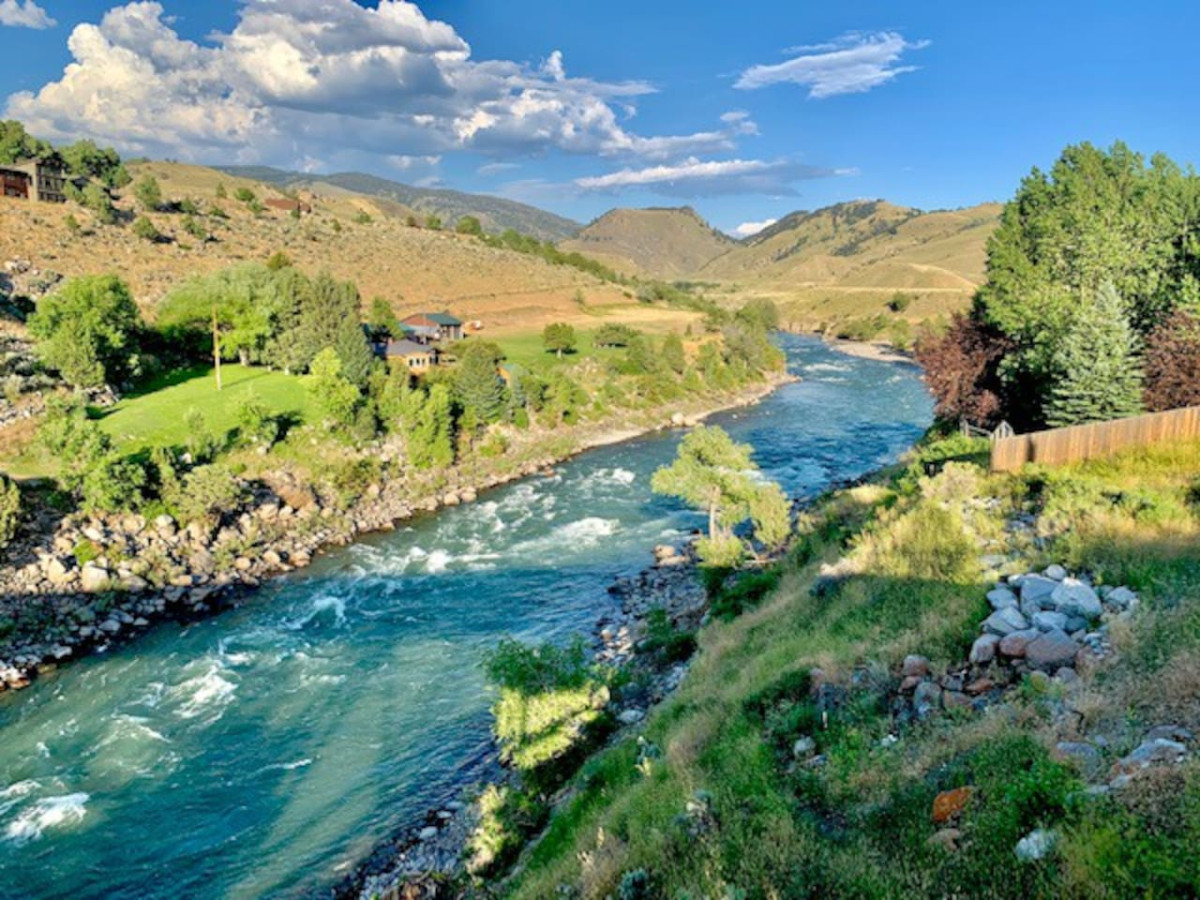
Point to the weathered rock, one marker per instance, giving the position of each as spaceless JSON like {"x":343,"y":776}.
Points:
{"x":1015,"y":645}
{"x":804,"y":748}
{"x":1047,"y":620}
{"x":631,"y":716}
{"x":1051,"y":650}
{"x":983,"y":651}
{"x":1036,"y":845}
{"x":1121,"y":598}
{"x":926,"y":699}
{"x":1001,"y":598}
{"x":1158,"y":751}
{"x":1055,"y":573}
{"x":1038,"y":589}
{"x":1074,"y":598}
{"x":1086,"y":757}
{"x":949,"y":805}
{"x":915,"y":666}
{"x":94,"y":578}
{"x":957,"y":700}
{"x":1005,"y":621}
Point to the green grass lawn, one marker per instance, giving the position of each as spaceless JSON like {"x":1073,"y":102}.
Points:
{"x":156,"y":413}
{"x":528,"y":350}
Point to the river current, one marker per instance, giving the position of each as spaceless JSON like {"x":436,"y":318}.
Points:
{"x":265,"y":751}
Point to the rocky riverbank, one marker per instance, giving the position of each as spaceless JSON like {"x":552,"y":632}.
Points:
{"x":75,"y":585}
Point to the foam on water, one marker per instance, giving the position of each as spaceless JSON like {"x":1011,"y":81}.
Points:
{"x":50,"y":812}
{"x":437,"y":562}
{"x":205,"y":696}
{"x":321,"y":604}
{"x":12,"y":795}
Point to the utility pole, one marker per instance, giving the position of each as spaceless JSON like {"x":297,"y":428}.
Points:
{"x":217,"y":346}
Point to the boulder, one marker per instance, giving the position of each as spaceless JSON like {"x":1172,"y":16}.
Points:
{"x":1085,"y":757}
{"x":983,"y":651}
{"x":58,"y":569}
{"x":1005,"y":621}
{"x":1001,"y":598}
{"x":1121,"y":598}
{"x":1055,"y":573}
{"x":926,"y":698}
{"x":1046,"y":620}
{"x":957,"y":700}
{"x":915,"y":666}
{"x":1038,"y":589}
{"x":1051,"y":650}
{"x":1074,"y":598}
{"x":1016,"y":645}
{"x":804,"y":748}
{"x":1036,"y":845}
{"x":94,"y":578}
{"x":1154,"y":752}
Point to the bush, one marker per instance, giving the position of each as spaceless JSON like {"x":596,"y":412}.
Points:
{"x":208,"y":493}
{"x":148,"y":193}
{"x":88,"y":331}
{"x":113,"y":485}
{"x":256,"y":423}
{"x":10,"y":510}
{"x":665,"y":640}
{"x":145,"y":229}
{"x":243,"y":195}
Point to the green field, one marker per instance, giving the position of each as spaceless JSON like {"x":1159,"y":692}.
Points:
{"x":527,"y":349}
{"x":156,"y":413}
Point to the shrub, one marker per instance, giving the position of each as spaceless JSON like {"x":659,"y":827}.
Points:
{"x":256,"y":424}
{"x":148,"y":193}
{"x":114,"y":484}
{"x":243,"y":195}
{"x":665,"y":640}
{"x":145,"y":229}
{"x":208,"y":492}
{"x":10,"y":510}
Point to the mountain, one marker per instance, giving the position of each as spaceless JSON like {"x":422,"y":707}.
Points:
{"x":663,"y":243}
{"x":495,"y":213}
{"x":865,"y":244}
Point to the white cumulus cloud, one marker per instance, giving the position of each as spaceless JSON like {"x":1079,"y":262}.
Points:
{"x":749,"y":229}
{"x":854,"y":63}
{"x":24,"y":14}
{"x":705,"y":178}
{"x":331,"y":82}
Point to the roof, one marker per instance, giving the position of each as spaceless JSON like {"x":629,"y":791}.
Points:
{"x":407,"y":348}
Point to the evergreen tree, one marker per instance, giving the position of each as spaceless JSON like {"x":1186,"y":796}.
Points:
{"x":1099,"y":373}
{"x":477,"y":384}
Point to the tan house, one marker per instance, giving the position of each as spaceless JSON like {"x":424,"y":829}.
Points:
{"x":34,"y":179}
{"x":419,"y":358}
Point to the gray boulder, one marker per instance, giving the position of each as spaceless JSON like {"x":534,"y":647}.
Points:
{"x":983,"y":651}
{"x":1055,"y":573}
{"x":1001,"y":598}
{"x":1048,"y":621}
{"x":1036,"y":845}
{"x":1074,"y":598}
{"x":1038,"y":589}
{"x":94,"y":578}
{"x":1121,"y":598}
{"x":1051,"y":650}
{"x":1015,"y":644}
{"x":1005,"y":621}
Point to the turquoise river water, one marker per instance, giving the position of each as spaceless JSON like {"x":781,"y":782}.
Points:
{"x":265,"y":751}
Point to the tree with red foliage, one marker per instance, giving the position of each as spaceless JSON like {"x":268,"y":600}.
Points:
{"x":1172,"y":363}
{"x":962,"y":370}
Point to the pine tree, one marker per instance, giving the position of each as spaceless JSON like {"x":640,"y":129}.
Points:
{"x":477,"y":385}
{"x":1099,"y":375}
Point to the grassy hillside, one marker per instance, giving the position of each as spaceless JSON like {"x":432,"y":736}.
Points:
{"x":495,"y":213}
{"x":796,"y":761}
{"x":849,"y":261}
{"x":351,"y":235}
{"x":663,"y":243}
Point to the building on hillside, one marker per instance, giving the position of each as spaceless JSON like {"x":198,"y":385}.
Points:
{"x":35,"y":179}
{"x":288,"y":205}
{"x":432,"y":327}
{"x":419,"y":358}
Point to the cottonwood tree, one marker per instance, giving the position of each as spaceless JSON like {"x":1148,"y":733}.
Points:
{"x":716,"y":475}
{"x":559,"y":338}
{"x":88,"y":331}
{"x":336,"y":396}
{"x":1100,"y":376}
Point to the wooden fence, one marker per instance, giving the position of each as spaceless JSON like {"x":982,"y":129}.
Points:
{"x":1079,"y":442}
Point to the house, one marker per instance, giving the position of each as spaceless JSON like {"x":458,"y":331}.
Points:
{"x":35,"y":179}
{"x":419,"y":358}
{"x":433,"y":327}
{"x":288,"y":205}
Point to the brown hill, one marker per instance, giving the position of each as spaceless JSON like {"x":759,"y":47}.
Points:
{"x":413,"y":268}
{"x":851,"y":259}
{"x":663,"y":243}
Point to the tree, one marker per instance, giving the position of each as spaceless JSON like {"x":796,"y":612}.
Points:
{"x":381,"y":319}
{"x":148,"y":193}
{"x":559,"y":338}
{"x":962,"y":370}
{"x":1173,"y":363}
{"x":97,"y":199}
{"x":85,"y":158}
{"x":88,"y":466}
{"x":673,"y":353}
{"x":337,"y":398}
{"x":433,"y":223}
{"x":430,"y":436}
{"x":17,"y":144}
{"x":1099,"y":374}
{"x":717,"y":476}
{"x":613,"y":336}
{"x":88,"y":331}
{"x":477,"y":384}
{"x":469,"y":225}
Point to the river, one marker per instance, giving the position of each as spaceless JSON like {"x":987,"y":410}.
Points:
{"x":265,"y":751}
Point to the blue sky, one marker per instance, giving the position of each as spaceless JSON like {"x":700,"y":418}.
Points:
{"x":744,"y":111}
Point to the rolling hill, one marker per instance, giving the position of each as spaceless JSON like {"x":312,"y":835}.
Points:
{"x":495,"y":213}
{"x":662,"y":243}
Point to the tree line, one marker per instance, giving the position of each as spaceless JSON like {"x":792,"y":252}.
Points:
{"x":1091,"y":306}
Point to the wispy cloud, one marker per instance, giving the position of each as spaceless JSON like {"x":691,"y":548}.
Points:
{"x":852,"y":64}
{"x":749,"y":229}
{"x":24,"y":14}
{"x":705,"y":178}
